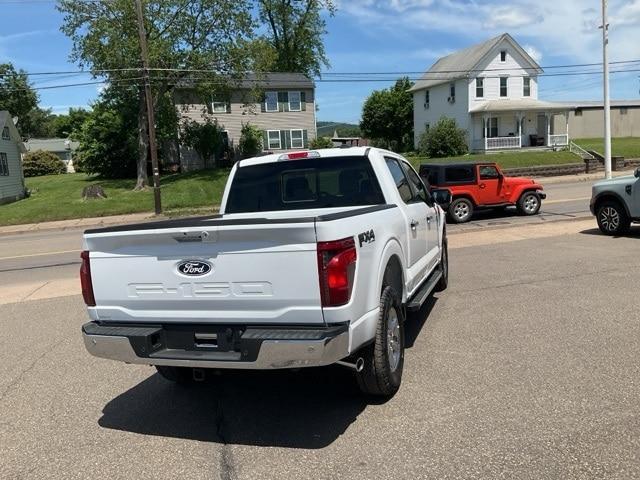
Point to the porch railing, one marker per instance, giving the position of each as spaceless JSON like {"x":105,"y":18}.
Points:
{"x":561,"y":140}
{"x":497,"y":143}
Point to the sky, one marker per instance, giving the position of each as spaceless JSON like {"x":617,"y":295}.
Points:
{"x":383,"y":36}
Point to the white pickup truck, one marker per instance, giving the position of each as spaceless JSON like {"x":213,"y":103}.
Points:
{"x":314,"y":259}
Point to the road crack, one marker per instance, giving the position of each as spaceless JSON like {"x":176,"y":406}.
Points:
{"x":227,"y":464}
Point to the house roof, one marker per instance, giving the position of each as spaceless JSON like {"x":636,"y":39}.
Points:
{"x":265,"y":80}
{"x":600,"y":103}
{"x":515,"y":105}
{"x":50,"y":144}
{"x":7,"y":121}
{"x":461,"y":64}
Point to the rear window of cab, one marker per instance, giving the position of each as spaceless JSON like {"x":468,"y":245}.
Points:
{"x":304,"y":184}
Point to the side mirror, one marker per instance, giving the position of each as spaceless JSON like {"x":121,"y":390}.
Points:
{"x":637,"y":172}
{"x":442,"y":197}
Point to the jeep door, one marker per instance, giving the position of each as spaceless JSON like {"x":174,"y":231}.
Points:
{"x":491,"y":185}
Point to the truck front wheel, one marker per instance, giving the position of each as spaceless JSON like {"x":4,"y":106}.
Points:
{"x":384,"y":359}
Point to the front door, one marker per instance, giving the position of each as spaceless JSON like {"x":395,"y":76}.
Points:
{"x":542,"y":128}
{"x":490,"y":185}
{"x":634,"y":208}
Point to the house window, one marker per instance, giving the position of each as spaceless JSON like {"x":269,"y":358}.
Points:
{"x":452,"y":92}
{"x":271,"y":102}
{"x":5,"y":133}
{"x":426,"y":99}
{"x":219,"y":107}
{"x":527,"y":87}
{"x":4,"y":165}
{"x":295,"y":102}
{"x":479,"y":87}
{"x":503,"y":86}
{"x":492,"y":126}
{"x":427,"y":127}
{"x":296,"y":139}
{"x":503,"y":56}
{"x":578,"y":113}
{"x":273,"y":138}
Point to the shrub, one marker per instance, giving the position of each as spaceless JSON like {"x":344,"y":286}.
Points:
{"x":39,"y":163}
{"x":444,"y":139}
{"x":250,"y":141}
{"x":321,"y":142}
{"x":205,"y":138}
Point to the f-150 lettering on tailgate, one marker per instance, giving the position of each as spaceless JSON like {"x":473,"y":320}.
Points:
{"x":202,"y":289}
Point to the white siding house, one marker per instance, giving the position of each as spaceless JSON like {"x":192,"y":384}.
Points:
{"x":491,"y":91}
{"x":11,"y":150}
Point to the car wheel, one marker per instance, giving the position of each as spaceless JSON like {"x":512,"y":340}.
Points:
{"x":180,"y":375}
{"x":612,"y":218}
{"x":460,"y":210}
{"x":384,"y":359}
{"x":529,"y":203}
{"x":443,"y":283}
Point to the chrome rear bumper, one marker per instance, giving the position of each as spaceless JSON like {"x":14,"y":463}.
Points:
{"x":256,"y":348}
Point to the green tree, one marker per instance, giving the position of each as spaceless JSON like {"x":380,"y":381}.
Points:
{"x":16,"y":93}
{"x":38,"y":123}
{"x":250,"y":143}
{"x":295,"y":28}
{"x":205,"y":138}
{"x":65,"y":125}
{"x":207,"y":35}
{"x":387,"y":116}
{"x":444,"y":139}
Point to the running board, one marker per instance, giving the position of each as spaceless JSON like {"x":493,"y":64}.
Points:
{"x":424,"y":291}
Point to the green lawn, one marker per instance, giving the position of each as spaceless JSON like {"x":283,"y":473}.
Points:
{"x":628,"y":147}
{"x":59,"y":197}
{"x":507,"y":159}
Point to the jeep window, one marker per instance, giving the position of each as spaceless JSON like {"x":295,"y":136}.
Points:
{"x":306,"y":183}
{"x":421,"y":193}
{"x":488,"y":172}
{"x":460,"y":174}
{"x":430,"y":175}
{"x":401,"y":180}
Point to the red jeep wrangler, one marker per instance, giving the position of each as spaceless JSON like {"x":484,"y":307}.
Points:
{"x":481,"y":185}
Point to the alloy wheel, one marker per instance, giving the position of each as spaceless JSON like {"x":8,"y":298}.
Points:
{"x":610,"y":219}
{"x":393,"y":339}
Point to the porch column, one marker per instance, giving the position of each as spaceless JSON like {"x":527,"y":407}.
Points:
{"x":519,"y":118}
{"x":548,"y":117}
{"x":486,"y":130}
{"x":566,"y":117}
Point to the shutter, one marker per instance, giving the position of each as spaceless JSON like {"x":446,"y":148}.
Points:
{"x":303,"y":101}
{"x":265,"y":139}
{"x":283,"y":139}
{"x":263,"y":107}
{"x":283,"y":101}
{"x":287,"y":137}
{"x":228,"y":106}
{"x":305,"y":139}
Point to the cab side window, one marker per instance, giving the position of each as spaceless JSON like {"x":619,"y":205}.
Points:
{"x":400,"y":179}
{"x":418,"y":187}
{"x":488,"y":172}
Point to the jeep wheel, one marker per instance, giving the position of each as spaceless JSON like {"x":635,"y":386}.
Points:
{"x":179,"y":375}
{"x":384,"y":359}
{"x":460,"y":210}
{"x":612,"y":218}
{"x":529,"y":203}
{"x":443,"y":283}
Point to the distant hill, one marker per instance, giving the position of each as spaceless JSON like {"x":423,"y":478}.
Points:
{"x":326,"y":129}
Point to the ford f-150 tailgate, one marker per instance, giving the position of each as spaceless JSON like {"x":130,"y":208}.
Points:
{"x":210,"y":270}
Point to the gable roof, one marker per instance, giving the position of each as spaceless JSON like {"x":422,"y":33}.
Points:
{"x":50,"y":144}
{"x":7,"y":121}
{"x":462,"y":63}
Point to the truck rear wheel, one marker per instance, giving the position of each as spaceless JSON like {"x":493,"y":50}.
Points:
{"x":180,"y":375}
{"x":384,"y":359}
{"x":460,"y":210}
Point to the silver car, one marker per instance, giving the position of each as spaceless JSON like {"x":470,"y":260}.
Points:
{"x":616,"y":203}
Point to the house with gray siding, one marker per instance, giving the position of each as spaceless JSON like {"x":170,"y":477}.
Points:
{"x":281,"y":105}
{"x":11,"y":150}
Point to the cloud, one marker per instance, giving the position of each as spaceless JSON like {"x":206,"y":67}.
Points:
{"x":534,"y":52}
{"x":510,"y":17}
{"x":628,"y":15}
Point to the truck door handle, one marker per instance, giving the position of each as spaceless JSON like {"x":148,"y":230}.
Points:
{"x":482,"y":185}
{"x":414,"y":224}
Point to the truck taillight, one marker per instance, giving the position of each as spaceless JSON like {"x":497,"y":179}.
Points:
{"x":336,"y":269}
{"x":85,"y":280}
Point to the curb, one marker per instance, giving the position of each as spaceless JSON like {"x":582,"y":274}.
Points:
{"x":476,"y":229}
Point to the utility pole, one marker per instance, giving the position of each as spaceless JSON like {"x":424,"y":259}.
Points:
{"x":151,"y":123}
{"x":607,"y":100}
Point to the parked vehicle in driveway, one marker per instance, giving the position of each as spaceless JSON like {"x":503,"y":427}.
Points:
{"x":616,"y":203}
{"x":476,"y":186}
{"x":314,"y":260}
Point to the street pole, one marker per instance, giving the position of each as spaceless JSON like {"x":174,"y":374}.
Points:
{"x":151,"y":124}
{"x":607,"y":100}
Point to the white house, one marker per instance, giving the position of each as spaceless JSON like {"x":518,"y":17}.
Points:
{"x":491,"y":90}
{"x":11,"y":150}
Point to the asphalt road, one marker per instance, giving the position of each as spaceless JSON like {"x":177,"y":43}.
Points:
{"x":526,"y":367}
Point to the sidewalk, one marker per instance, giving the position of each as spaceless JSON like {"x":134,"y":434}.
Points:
{"x":583,"y":177}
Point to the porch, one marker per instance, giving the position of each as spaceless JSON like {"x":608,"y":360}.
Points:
{"x":508,"y":125}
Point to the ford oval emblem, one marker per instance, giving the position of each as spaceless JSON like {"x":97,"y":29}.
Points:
{"x":194,"y":268}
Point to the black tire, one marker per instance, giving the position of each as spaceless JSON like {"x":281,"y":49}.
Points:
{"x":382,"y":372}
{"x":179,"y":375}
{"x":443,"y":283}
{"x":529,"y":203}
{"x":461,"y":210}
{"x":612,"y":218}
